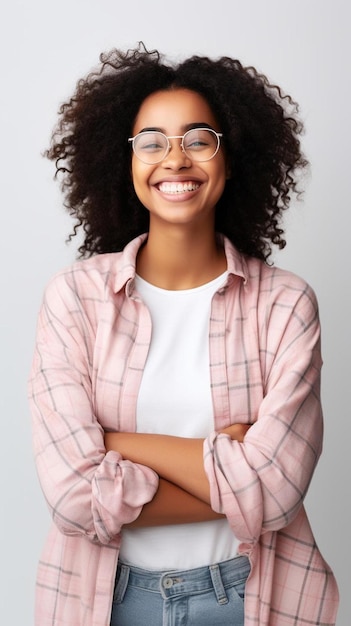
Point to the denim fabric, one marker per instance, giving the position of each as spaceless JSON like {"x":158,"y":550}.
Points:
{"x":205,"y":596}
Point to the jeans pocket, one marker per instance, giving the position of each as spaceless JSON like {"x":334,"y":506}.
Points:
{"x":239,"y":587}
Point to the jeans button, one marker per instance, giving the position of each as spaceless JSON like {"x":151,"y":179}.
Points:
{"x":167,"y":583}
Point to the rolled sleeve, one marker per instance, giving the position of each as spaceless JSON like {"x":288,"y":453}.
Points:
{"x":87,"y":491}
{"x":119,"y":491}
{"x":260,"y":484}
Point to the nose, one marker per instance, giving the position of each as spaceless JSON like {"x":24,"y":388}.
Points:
{"x":176,"y":158}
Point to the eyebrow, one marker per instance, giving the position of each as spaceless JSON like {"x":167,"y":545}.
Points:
{"x":185,"y":127}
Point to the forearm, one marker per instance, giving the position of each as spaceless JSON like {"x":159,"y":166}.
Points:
{"x":176,"y":459}
{"x":173,"y":505}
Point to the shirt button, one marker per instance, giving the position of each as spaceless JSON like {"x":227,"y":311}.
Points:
{"x":167,"y":583}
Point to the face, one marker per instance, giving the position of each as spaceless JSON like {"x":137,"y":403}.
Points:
{"x":178,"y":190}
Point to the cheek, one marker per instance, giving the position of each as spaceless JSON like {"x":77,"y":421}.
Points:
{"x":133,"y":171}
{"x":139,"y":177}
{"x":136,"y":176}
{"x":220,"y":176}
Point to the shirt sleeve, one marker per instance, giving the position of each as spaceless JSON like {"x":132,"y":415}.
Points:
{"x":88,"y":492}
{"x":260,"y":484}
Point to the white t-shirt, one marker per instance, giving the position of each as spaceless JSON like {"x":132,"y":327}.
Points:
{"x":175,"y":399}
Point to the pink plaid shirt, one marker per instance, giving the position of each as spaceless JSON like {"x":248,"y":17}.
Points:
{"x":92,"y":343}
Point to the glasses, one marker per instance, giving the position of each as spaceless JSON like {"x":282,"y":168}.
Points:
{"x":199,"y":144}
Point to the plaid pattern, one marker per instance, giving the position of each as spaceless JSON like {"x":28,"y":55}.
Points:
{"x":92,"y":342}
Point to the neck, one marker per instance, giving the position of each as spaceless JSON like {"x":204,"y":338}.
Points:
{"x":181,"y":260}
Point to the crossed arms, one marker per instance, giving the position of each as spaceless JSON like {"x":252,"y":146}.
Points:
{"x":183,"y":495}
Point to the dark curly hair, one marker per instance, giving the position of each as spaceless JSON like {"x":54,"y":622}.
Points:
{"x":260,"y":129}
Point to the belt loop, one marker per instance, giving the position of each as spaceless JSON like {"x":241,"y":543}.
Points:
{"x":218,"y":584}
{"x":122,"y":583}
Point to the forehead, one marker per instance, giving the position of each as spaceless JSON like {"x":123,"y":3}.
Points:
{"x":172,"y":111}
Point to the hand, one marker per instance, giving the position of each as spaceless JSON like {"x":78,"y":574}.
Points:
{"x":236,"y":432}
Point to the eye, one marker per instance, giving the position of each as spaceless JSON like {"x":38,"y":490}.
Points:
{"x":150,"y":142}
{"x":196,"y":143}
{"x":199,"y":139}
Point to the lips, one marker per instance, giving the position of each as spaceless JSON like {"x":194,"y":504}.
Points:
{"x":178,"y":187}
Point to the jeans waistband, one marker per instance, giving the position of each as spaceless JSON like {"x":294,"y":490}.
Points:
{"x":179,"y":582}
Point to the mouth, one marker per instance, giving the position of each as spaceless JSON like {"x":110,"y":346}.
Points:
{"x":178,"y":187}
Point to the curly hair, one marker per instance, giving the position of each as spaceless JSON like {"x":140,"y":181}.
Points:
{"x":260,"y":127}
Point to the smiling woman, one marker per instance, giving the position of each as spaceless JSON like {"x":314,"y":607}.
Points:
{"x":175,"y":386}
{"x":178,"y":189}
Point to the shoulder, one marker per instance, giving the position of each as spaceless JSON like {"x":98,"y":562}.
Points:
{"x":100,"y":274}
{"x":272,"y":283}
{"x":286,"y":302}
{"x":89,"y":278}
{"x":265,"y":287}
{"x":264,"y":282}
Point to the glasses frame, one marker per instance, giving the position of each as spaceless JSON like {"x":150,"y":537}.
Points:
{"x":169,"y":146}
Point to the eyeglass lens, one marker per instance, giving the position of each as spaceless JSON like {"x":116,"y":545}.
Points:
{"x":200,"y":144}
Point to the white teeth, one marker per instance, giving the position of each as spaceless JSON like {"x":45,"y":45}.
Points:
{"x":178,"y":187}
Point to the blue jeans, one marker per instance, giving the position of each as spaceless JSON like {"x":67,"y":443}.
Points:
{"x":205,"y":596}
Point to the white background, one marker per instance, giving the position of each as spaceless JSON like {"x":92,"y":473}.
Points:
{"x":305,"y":47}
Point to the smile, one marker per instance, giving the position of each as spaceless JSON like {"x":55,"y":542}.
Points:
{"x":175,"y":188}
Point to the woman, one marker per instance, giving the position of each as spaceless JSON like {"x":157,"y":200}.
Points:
{"x":175,"y":383}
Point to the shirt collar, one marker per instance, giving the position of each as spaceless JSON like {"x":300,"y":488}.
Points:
{"x":236,"y":262}
{"x":125,"y":274}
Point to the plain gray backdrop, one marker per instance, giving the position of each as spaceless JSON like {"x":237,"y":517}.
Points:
{"x":46,"y":46}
